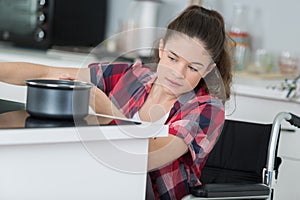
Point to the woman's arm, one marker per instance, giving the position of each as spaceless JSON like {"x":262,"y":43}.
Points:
{"x":165,"y":150}
{"x":17,"y":72}
{"x":198,"y":129}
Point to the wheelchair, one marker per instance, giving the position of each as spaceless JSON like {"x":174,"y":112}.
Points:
{"x":244,"y":162}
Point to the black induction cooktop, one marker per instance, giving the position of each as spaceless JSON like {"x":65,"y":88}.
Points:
{"x":13,"y":115}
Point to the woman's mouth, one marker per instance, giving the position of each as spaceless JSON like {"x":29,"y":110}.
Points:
{"x":173,"y":83}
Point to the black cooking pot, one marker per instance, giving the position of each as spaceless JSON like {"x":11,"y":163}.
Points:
{"x":57,"y":99}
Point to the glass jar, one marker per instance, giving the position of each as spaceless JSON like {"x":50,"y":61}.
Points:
{"x":241,"y":37}
{"x":288,"y":63}
{"x":261,"y":63}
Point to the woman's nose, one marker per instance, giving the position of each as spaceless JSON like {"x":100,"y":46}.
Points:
{"x":180,"y":70}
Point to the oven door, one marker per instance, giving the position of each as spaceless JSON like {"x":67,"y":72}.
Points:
{"x":27,"y":22}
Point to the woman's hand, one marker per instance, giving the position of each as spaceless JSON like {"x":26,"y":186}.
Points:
{"x":100,"y":103}
{"x":72,"y":74}
{"x":66,"y":76}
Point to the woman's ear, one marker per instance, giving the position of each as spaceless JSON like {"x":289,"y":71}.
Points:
{"x":209,"y":69}
{"x":160,"y":48}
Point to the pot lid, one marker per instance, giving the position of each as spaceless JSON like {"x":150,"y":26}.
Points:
{"x":50,"y":83}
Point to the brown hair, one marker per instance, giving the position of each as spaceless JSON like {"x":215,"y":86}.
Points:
{"x":207,"y":26}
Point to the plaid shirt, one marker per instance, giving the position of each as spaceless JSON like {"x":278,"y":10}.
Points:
{"x":196,"y":117}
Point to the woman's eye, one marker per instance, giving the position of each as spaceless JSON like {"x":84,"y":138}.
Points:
{"x":172,"y":58}
{"x":193,"y":68}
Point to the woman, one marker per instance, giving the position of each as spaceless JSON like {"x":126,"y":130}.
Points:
{"x":178,"y":92}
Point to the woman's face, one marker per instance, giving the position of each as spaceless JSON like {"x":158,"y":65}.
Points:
{"x":183,"y":62}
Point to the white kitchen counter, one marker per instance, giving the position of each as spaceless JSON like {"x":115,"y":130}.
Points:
{"x":254,"y":100}
{"x":31,"y":136}
{"x":262,"y":88}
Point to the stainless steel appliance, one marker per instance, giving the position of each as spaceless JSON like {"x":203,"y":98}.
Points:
{"x":43,"y":23}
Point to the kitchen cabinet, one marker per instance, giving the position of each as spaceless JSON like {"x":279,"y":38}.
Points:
{"x":58,"y":164}
{"x":73,"y":162}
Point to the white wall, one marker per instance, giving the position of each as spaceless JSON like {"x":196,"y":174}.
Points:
{"x":118,"y":12}
{"x":272,"y":23}
{"x":276,"y":21}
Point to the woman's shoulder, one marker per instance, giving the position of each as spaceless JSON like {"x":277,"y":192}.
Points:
{"x":139,"y":69}
{"x":199,"y":105}
{"x":202,"y":96}
{"x":209,"y":104}
{"x":111,"y":65}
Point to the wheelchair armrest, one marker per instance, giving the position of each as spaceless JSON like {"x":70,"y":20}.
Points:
{"x":230,"y":190}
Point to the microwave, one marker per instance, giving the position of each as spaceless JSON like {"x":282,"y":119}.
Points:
{"x":45,"y":23}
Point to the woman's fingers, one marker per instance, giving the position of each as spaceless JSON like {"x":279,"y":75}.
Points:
{"x":67,"y":77}
{"x":93,"y":97}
